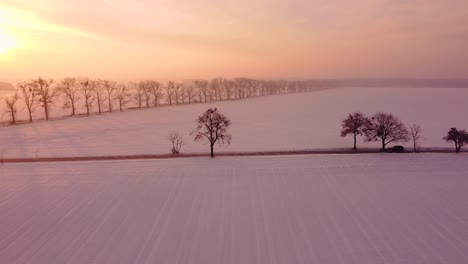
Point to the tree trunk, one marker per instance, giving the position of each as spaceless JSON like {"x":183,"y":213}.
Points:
{"x":414,"y":146}
{"x":212,"y":150}
{"x":110,"y":107}
{"x":354,"y":148}
{"x":13,"y":121}
{"x":73,"y":108}
{"x":383,"y":146}
{"x":30,"y":115}
{"x":46,"y":111}
{"x":87,"y":107}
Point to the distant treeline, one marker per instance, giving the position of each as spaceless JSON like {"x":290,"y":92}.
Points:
{"x":6,"y":86}
{"x":366,"y":83}
{"x":392,"y":83}
{"x":97,"y":95}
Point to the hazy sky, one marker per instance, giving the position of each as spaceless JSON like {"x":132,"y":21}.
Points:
{"x":129,"y":39}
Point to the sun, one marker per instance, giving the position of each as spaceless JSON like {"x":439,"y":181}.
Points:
{"x":7,"y":42}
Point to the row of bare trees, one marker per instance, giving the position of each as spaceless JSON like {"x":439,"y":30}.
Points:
{"x":89,"y":94}
{"x":388,"y":128}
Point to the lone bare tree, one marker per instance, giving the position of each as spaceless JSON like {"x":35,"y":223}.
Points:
{"x":28,"y":97}
{"x":177,"y":142}
{"x":46,"y":93}
{"x":86,"y":90}
{"x":10,"y":102}
{"x":212,"y":126}
{"x":110,"y":88}
{"x":69,"y":88}
{"x":355,"y":125}
{"x":122,"y":96}
{"x":386,"y":128}
{"x":458,"y":137}
{"x":415,"y":132}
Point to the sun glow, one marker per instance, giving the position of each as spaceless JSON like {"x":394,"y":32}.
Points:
{"x":7,"y":41}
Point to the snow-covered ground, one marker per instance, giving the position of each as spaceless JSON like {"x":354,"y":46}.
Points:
{"x":286,"y":122}
{"x":369,"y":208}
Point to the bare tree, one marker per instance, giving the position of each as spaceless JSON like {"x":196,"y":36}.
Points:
{"x":86,"y":90}
{"x":139,"y":94}
{"x":415,"y":132}
{"x":386,"y":128}
{"x":228,"y":88}
{"x":69,"y":88}
{"x":189,"y":92}
{"x":182,"y":92}
{"x":212,"y":126}
{"x":10,"y":102}
{"x":99,"y":93}
{"x":241,"y":87}
{"x":171,"y":91}
{"x":177,"y":142}
{"x":145,"y":87}
{"x":28,"y":97}
{"x":216,"y":87}
{"x":355,"y":125}
{"x":201,"y":86}
{"x":110,"y":88}
{"x":122,"y":96}
{"x":178,"y":92}
{"x":46,"y":93}
{"x":156,"y":91}
{"x":458,"y":137}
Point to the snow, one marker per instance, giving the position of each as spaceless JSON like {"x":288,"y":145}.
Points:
{"x":286,"y":122}
{"x":366,"y":208}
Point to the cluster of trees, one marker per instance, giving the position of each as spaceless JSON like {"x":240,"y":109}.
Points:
{"x":105,"y":95}
{"x":387,"y":128}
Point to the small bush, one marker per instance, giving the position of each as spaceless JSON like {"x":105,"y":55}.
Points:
{"x":177,"y":142}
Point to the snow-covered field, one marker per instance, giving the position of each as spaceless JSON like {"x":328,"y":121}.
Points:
{"x":369,"y":208}
{"x":286,"y":122}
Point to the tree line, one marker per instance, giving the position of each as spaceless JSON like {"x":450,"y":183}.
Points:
{"x":108,"y":96}
{"x":387,"y":128}
{"x":212,"y":126}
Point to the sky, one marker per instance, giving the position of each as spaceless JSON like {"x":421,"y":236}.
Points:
{"x":268,"y":39}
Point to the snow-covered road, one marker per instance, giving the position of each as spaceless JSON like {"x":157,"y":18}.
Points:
{"x":369,"y":208}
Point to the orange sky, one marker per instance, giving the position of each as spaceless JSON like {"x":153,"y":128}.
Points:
{"x":178,"y":39}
